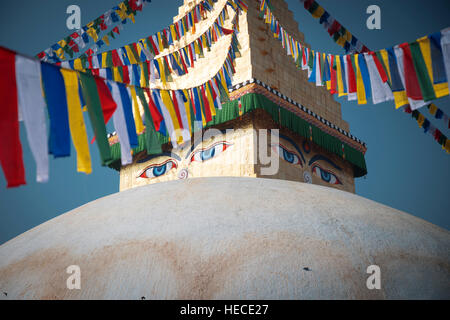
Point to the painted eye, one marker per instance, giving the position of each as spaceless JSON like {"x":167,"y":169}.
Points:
{"x":325,"y":175}
{"x":157,"y":170}
{"x":286,"y":155}
{"x":211,"y":152}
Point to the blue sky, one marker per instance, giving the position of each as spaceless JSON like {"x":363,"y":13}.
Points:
{"x":407,"y":169}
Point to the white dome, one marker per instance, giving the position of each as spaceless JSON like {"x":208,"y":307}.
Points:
{"x":229,"y":238}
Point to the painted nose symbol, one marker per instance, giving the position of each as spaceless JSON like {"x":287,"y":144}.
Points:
{"x":183,"y":174}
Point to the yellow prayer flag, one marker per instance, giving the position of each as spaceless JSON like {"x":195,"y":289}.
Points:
{"x":60,"y":53}
{"x":104,"y":55}
{"x":222,"y":81}
{"x":77,"y":64}
{"x":209,"y":96}
{"x":360,"y":90}
{"x":165,"y":96}
{"x":92,"y":33}
{"x":76,"y":121}
{"x":160,"y":44}
{"x":384,"y":56}
{"x":420,"y":120}
{"x":142,"y":80}
{"x":123,"y":11}
{"x":196,"y":47}
{"x":340,"y":81}
{"x":447,"y":146}
{"x":400,"y":97}
{"x":440,"y":89}
{"x":348,"y":36}
{"x":433,"y":109}
{"x":173,"y":33}
{"x":341,"y":41}
{"x":62,"y":43}
{"x":130,"y":55}
{"x":116,"y":74}
{"x":106,"y":39}
{"x":136,"y":112}
{"x":162,"y":71}
{"x":318,"y":12}
{"x":187,"y":106}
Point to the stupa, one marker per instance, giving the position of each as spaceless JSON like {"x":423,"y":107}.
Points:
{"x":210,"y":219}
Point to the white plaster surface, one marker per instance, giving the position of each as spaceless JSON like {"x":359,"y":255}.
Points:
{"x":229,"y":238}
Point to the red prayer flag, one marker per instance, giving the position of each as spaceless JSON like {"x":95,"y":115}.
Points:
{"x":177,"y":109}
{"x":115,"y":58}
{"x":106,"y":99}
{"x":41,"y":55}
{"x":11,"y":157}
{"x":191,"y":55}
{"x":183,"y":62}
{"x":213,"y":91}
{"x":333,"y":76}
{"x":364,"y":49}
{"x":134,"y":5}
{"x":154,"y":46}
{"x":177,"y":31}
{"x":156,"y":116}
{"x":437,"y":135}
{"x":227,"y":31}
{"x":167,"y":64}
{"x":308,"y":3}
{"x":408,"y":109}
{"x":134,"y":44}
{"x":90,"y":62}
{"x":380,"y":68}
{"x":207,"y":108}
{"x":411,"y":82}
{"x":192,"y":101}
{"x":126,"y":75}
{"x":351,"y":76}
{"x":334,"y":28}
{"x":147,"y":65}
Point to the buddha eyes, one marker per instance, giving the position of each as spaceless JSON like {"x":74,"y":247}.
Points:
{"x":160,"y":169}
{"x":294,"y":158}
{"x":210,"y":152}
{"x":325,"y":175}
{"x":157,"y":170}
{"x":286,"y":155}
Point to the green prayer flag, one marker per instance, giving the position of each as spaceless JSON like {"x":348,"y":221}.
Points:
{"x":149,"y":46}
{"x":134,"y":52}
{"x":380,"y":58}
{"x":153,"y":145}
{"x":109,"y":61}
{"x":314,"y":6}
{"x":92,"y":99}
{"x":322,"y":68}
{"x":311,"y":60}
{"x":84,"y":61}
{"x":422,"y":72}
{"x":145,"y":74}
